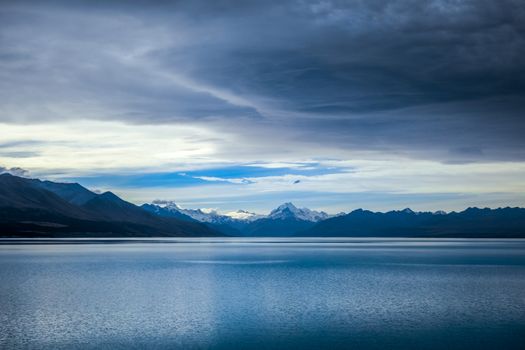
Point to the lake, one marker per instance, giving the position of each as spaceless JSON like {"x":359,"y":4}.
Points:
{"x":262,"y":293}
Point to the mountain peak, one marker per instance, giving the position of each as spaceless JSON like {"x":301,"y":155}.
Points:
{"x":243,"y":215}
{"x":289,"y":211}
{"x":166,"y":204}
{"x":109,"y":195}
{"x":287,"y":205}
{"x":172,"y":205}
{"x":286,"y":210}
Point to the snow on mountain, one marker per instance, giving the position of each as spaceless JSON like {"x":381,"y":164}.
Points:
{"x":288,"y":210}
{"x":206,"y":214}
{"x":244,"y":215}
{"x":284,"y":211}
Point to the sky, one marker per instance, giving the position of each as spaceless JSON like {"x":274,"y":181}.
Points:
{"x":333,"y":105}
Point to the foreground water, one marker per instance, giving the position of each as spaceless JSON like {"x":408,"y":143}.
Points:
{"x":259,"y":293}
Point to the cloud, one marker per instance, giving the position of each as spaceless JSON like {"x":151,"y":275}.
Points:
{"x":105,"y":77}
{"x":19,"y":154}
{"x":362,"y":76}
{"x":97,"y":147}
{"x":14,"y":171}
{"x":218,"y":179}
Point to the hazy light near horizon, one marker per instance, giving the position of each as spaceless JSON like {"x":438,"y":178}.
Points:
{"x":87,"y":147}
{"x":91,"y":147}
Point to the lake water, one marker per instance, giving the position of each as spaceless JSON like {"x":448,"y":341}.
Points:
{"x":262,"y":293}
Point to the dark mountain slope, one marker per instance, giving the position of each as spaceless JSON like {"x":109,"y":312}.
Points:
{"x":110,"y":207}
{"x":20,"y":193}
{"x":70,"y":192}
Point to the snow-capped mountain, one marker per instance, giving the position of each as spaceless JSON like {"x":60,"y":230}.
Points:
{"x":244,"y":215}
{"x":203,"y":215}
{"x":284,"y":211}
{"x":207,"y":215}
{"x":408,"y":211}
{"x":288,"y":210}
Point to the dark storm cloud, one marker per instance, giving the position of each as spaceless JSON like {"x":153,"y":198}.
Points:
{"x":454,"y":132}
{"x":359,"y":56}
{"x":14,"y":171}
{"x":429,"y":79}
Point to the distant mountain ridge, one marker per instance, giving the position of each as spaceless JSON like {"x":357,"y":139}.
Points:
{"x":472,"y":222}
{"x":288,"y":220}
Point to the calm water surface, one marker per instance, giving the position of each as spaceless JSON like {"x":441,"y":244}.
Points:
{"x":262,"y":293}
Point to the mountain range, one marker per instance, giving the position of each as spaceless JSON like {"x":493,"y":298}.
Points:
{"x":285,"y":220}
{"x":35,"y":208}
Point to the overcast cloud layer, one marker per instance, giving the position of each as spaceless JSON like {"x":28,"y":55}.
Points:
{"x":335,"y":95}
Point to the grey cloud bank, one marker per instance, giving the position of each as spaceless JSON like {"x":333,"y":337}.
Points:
{"x":365,"y":75}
